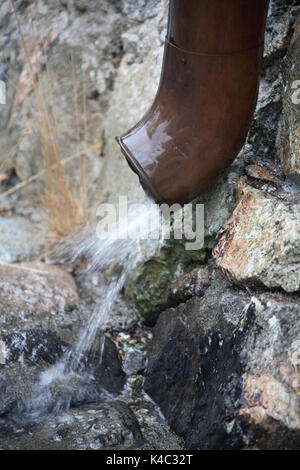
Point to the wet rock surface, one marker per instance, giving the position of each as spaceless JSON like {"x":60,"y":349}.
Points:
{"x":43,"y":404}
{"x":228,"y":357}
{"x":223,"y":362}
{"x":148,"y":287}
{"x":107,"y":426}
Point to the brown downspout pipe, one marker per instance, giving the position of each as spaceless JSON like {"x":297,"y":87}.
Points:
{"x":206,"y":98}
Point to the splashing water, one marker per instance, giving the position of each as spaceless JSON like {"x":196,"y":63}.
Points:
{"x":117,"y":253}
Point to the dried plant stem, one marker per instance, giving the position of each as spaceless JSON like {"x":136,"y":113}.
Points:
{"x":65,"y":201}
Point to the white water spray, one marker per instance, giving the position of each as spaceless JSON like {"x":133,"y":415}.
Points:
{"x":117,"y":254}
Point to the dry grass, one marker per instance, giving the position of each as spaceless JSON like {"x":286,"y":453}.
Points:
{"x":64,"y":201}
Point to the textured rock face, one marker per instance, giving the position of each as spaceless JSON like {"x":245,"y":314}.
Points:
{"x":86,"y":72}
{"x":289,"y":131}
{"x":231,"y":359}
{"x":261,"y":242}
{"x":35,"y":294}
{"x":19,"y":241}
{"x":105,"y":427}
{"x":28,"y":355}
{"x":224,"y":362}
{"x":149,"y":287}
{"x":135,"y":86}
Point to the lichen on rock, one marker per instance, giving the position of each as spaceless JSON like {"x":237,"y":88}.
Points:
{"x":260,"y":242}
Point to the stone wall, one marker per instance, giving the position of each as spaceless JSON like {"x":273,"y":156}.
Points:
{"x":224,"y":361}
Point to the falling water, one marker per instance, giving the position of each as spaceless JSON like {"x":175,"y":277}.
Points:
{"x":116,"y":254}
{"x":119,"y":252}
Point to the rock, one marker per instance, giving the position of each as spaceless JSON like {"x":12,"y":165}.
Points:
{"x":278,"y":28}
{"x":2,"y":353}
{"x":63,"y":30}
{"x":29,"y":387}
{"x":27,"y":353}
{"x":18,"y":239}
{"x":91,"y":287}
{"x":106,"y":367}
{"x":107,"y":426}
{"x":134,"y":361}
{"x":149,"y":289}
{"x":148,"y":286}
{"x":289,"y":131}
{"x":263,"y":173}
{"x":211,"y":355}
{"x":37,"y":295}
{"x":33,"y":346}
{"x":260,"y":242}
{"x":135,"y":87}
{"x":194,"y":283}
{"x":139,"y":10}
{"x":263,"y":131}
{"x":271,"y":379}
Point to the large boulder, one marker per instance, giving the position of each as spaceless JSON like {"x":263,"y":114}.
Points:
{"x":260,"y":243}
{"x":38,"y":296}
{"x":224,"y":369}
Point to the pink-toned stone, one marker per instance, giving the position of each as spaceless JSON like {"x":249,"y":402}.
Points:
{"x":260,"y":243}
{"x":28,"y":288}
{"x":267,"y":398}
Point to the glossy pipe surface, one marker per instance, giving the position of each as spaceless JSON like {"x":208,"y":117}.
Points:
{"x":208,"y":90}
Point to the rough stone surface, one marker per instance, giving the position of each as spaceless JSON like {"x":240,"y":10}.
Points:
{"x":134,"y":362}
{"x":289,"y":130}
{"x":19,"y":240}
{"x":263,"y":131}
{"x":194,"y":283}
{"x":148,"y":286}
{"x":230,"y":358}
{"x":37,"y":295}
{"x":224,"y":363}
{"x":135,"y":86}
{"x":23,"y":379}
{"x":80,"y":56}
{"x":260,"y":242}
{"x":27,"y":353}
{"x":108,"y":426}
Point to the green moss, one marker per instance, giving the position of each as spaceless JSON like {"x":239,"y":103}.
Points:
{"x":149,"y":289}
{"x":70,"y":307}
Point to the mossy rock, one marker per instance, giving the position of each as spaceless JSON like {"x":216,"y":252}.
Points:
{"x":148,"y":289}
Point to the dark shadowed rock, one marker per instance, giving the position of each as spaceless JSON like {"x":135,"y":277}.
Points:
{"x":209,"y":355}
{"x":26,"y":378}
{"x":107,"y":426}
{"x":107,"y":368}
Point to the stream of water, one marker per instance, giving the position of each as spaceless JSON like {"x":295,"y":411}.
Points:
{"x":117,"y":254}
